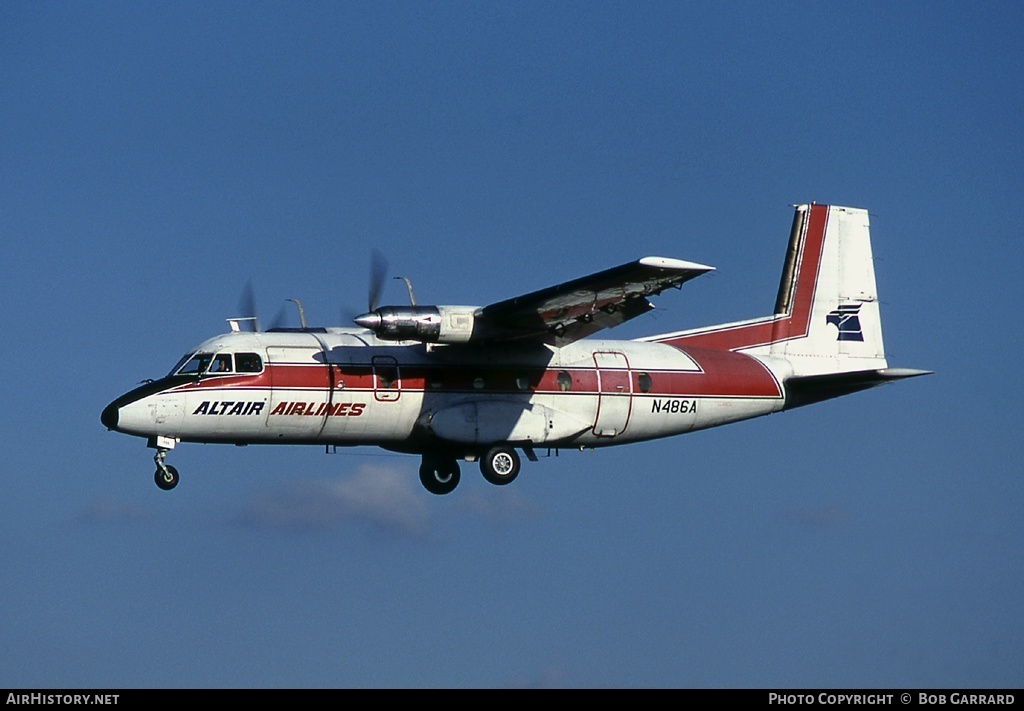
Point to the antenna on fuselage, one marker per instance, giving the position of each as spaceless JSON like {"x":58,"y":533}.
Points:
{"x":235,"y":323}
{"x":408,"y":285}
{"x":302,"y":315}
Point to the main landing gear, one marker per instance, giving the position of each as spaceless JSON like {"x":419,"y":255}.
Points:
{"x":500,"y":465}
{"x":440,"y":474}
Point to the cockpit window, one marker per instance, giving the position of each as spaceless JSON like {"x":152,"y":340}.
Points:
{"x":177,"y":366}
{"x":221,"y":364}
{"x":196,"y":364}
{"x":248,"y":363}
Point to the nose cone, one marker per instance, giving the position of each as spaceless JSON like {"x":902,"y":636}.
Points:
{"x":109,"y":415}
{"x":369,"y":320}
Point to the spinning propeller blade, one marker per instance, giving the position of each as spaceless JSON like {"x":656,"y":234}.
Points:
{"x":248,"y":318}
{"x":378,"y":272}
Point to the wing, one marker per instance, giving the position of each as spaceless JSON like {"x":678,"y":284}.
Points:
{"x":568,"y":312}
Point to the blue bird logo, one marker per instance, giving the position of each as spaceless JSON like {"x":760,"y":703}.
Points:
{"x":847,"y":320}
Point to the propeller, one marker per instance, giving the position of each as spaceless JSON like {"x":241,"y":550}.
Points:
{"x":280,"y":319}
{"x":378,"y":272}
{"x":248,"y":320}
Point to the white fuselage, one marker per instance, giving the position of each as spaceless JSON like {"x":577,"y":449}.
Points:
{"x":345,"y":387}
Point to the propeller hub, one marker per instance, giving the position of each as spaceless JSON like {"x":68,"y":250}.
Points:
{"x":370,"y":320}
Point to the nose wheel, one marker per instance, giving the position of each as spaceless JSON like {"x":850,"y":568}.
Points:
{"x":166,"y":476}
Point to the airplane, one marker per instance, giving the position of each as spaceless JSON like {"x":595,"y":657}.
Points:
{"x":451,"y":383}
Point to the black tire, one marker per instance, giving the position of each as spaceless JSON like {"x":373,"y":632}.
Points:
{"x":500,"y":465}
{"x":166,"y":480}
{"x":439,"y":475}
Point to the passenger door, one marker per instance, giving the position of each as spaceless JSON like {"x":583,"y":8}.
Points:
{"x":615,"y":393}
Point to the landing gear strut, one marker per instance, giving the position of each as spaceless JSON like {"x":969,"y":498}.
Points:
{"x":438,"y":474}
{"x":166,"y":476}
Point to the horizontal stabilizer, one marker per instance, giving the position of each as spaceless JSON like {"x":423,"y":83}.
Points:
{"x":808,"y":389}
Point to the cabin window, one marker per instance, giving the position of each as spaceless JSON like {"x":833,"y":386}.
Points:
{"x":248,"y":363}
{"x":645,"y":382}
{"x":523,"y":383}
{"x":478,"y":383}
{"x":564,"y":381}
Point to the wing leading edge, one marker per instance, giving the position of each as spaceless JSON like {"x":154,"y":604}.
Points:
{"x":575,"y":309}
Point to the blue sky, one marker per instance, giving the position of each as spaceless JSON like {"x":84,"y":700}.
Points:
{"x":155,"y":157}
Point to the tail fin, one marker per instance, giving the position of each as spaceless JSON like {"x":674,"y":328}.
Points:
{"x":826,"y":315}
{"x":829,"y":302}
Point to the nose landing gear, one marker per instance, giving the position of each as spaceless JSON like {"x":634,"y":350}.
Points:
{"x":166,"y":476}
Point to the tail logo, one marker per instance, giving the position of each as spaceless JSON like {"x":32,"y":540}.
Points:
{"x":846,"y":318}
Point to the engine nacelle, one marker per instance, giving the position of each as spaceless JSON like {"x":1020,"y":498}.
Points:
{"x":429,"y":324}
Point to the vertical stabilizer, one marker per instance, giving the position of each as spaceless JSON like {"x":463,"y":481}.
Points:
{"x":830,"y":319}
{"x":826,"y":316}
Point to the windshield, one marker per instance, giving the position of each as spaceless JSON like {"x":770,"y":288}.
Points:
{"x":181,"y":362}
{"x":193,"y":365}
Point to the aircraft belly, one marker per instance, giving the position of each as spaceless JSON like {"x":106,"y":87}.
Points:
{"x":720,"y":411}
{"x":656,"y":417}
{"x":490,"y":421}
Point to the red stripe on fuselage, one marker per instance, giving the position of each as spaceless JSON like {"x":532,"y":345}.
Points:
{"x":780,"y":327}
{"x":726,"y":374}
{"x":720,"y":374}
{"x":236,"y":380}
